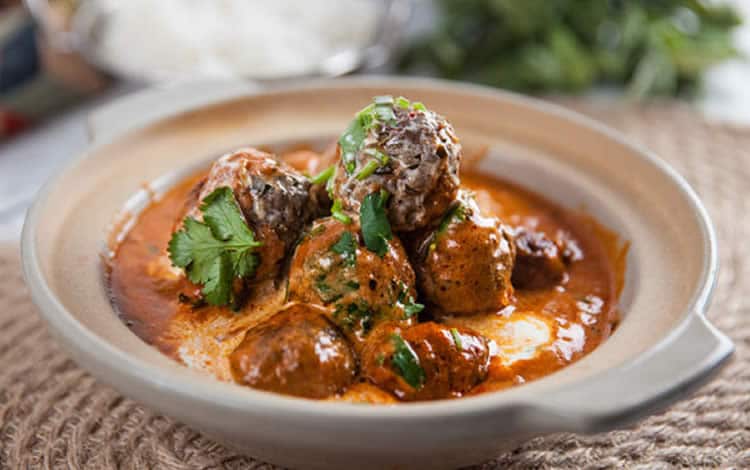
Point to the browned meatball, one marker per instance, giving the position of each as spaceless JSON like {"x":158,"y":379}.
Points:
{"x":405,"y":149}
{"x":427,"y":361}
{"x":274,"y":198}
{"x":298,"y":351}
{"x":331,"y":267}
{"x":541,"y":261}
{"x":319,"y":166}
{"x":465,"y":265}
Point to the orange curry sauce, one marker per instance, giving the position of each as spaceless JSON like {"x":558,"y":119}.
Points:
{"x":541,"y":332}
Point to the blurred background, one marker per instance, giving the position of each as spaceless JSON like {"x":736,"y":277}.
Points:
{"x":60,"y":59}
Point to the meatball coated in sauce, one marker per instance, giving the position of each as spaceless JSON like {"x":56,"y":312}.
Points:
{"x":331,"y":267}
{"x":407,"y":150}
{"x":540,"y":261}
{"x":427,"y":361}
{"x":464,"y":266}
{"x":298,"y":351}
{"x":274,"y":198}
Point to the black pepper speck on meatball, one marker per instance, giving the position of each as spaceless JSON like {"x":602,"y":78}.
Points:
{"x":405,"y":149}
{"x":298,"y":351}
{"x":464,"y":266}
{"x":275,"y":200}
{"x":331,"y":267}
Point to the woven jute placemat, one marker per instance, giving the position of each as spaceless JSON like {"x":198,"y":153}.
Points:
{"x":54,"y":415}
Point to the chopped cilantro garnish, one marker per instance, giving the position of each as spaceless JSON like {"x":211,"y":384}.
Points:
{"x":218,"y":250}
{"x":411,"y":307}
{"x":338,"y":213}
{"x":402,"y":102}
{"x":326,"y":292}
{"x":323,"y":176}
{"x":382,"y":158}
{"x":376,"y":230}
{"x":352,"y":140}
{"x":351,"y":143}
{"x":457,"y":339}
{"x":367,"y":170}
{"x":456,"y":213}
{"x":347,"y":248}
{"x":330,"y":181}
{"x":418,"y":106}
{"x":407,"y":362}
{"x":354,"y":315}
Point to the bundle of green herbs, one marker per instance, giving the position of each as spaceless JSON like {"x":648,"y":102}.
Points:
{"x":650,"y":47}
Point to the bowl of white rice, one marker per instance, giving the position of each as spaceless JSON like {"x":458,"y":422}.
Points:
{"x":173,"y":40}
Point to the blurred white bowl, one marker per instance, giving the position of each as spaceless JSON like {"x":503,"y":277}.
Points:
{"x":178,"y":40}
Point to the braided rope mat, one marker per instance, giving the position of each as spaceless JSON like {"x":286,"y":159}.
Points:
{"x":54,"y":415}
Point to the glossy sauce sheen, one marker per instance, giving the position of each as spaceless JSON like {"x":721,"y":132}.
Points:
{"x":541,"y":332}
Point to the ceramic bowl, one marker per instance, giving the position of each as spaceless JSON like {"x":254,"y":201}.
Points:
{"x":663,"y":348}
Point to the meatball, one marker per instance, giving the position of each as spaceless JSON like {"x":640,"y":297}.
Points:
{"x":540,"y":261}
{"x":331,"y":267}
{"x":274,"y":198}
{"x":405,"y":149}
{"x":298,"y":351}
{"x":427,"y":361}
{"x":464,"y":266}
{"x":320,"y":167}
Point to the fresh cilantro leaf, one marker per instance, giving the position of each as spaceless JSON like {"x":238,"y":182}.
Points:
{"x":412,"y":308}
{"x":455,"y":214}
{"x":347,"y":248}
{"x":218,"y":250}
{"x":457,"y":339}
{"x":406,"y":300}
{"x":380,"y":111}
{"x":376,"y":230}
{"x":330,"y":182}
{"x":323,"y":176}
{"x":407,"y":362}
{"x":402,"y":102}
{"x":367,"y":170}
{"x":326,"y":292}
{"x":355,"y":315}
{"x":351,"y":142}
{"x":218,"y":285}
{"x":338,"y":213}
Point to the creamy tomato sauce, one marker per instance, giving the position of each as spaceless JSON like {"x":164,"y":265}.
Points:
{"x":542,"y":330}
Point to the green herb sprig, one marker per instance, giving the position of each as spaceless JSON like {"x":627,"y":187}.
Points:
{"x":407,"y":363}
{"x":346,"y":246}
{"x":648,"y":47}
{"x":337,"y":212}
{"x":376,"y":229}
{"x":380,"y":111}
{"x":411,"y":307}
{"x":218,"y":250}
{"x":323,"y":176}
